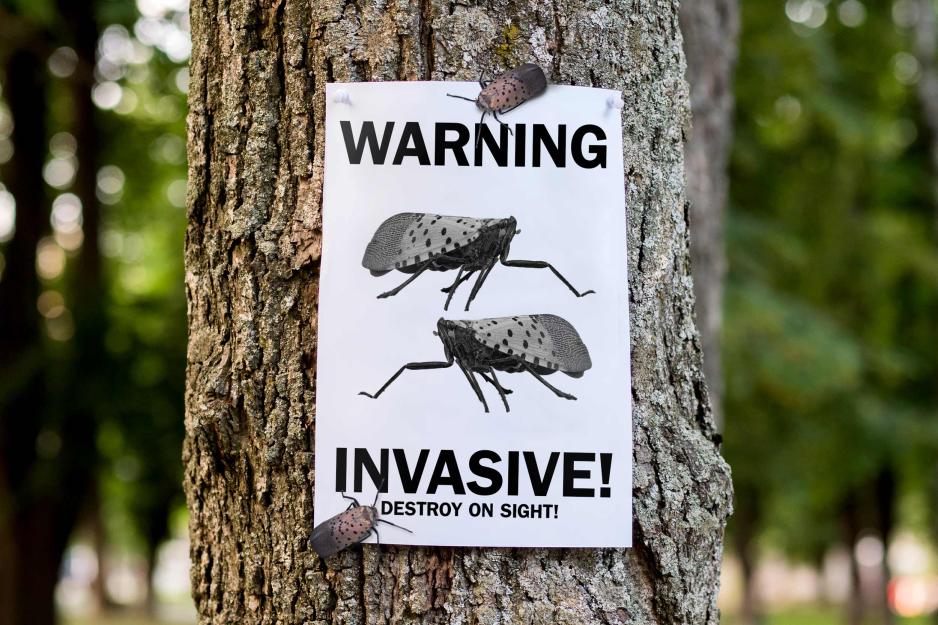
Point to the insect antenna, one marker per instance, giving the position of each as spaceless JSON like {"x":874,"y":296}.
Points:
{"x":460,"y":97}
{"x":479,"y":134}
{"x":384,"y":483}
{"x":401,"y":527}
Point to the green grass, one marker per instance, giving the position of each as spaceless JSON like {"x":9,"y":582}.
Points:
{"x":819,"y":615}
{"x":803,"y":615}
{"x":118,"y":619}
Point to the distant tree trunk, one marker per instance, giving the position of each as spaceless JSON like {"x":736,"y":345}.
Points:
{"x":88,"y":139}
{"x":256,"y":99}
{"x":711,"y":29}
{"x":933,"y":488}
{"x":885,"y":492}
{"x":28,"y":559}
{"x":850,"y":525}
{"x":87,"y":386}
{"x":925,"y":44}
{"x":156,"y":531}
{"x":745,"y":523}
{"x":99,"y":543}
{"x":819,"y":552}
{"x":40,"y":495}
{"x":151,"y":603}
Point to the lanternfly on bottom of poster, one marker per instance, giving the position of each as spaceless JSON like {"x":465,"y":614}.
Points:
{"x":473,"y":358}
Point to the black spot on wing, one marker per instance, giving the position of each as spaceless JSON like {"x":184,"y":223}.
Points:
{"x":442,"y":233}
{"x":324,"y":538}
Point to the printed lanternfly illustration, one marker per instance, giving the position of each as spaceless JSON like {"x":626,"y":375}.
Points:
{"x":538,"y":344}
{"x":350,"y":527}
{"x":416,"y":242}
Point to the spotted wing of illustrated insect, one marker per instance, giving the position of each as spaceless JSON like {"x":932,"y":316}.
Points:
{"x":407,"y":240}
{"x":343,"y":530}
{"x":546,"y":341}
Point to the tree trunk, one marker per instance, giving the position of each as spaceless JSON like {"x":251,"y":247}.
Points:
{"x":850,"y":522}
{"x":41,"y":494}
{"x":925,"y":45}
{"x":745,"y":523}
{"x":151,"y":604}
{"x":98,"y":535}
{"x":886,"y":494}
{"x":28,"y":567}
{"x":710,"y":29}
{"x":256,"y":99}
{"x":156,"y":531}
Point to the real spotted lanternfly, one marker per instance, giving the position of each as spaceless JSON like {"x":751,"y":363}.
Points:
{"x":350,"y":527}
{"x":538,"y":344}
{"x":508,"y":91}
{"x":415,"y":242}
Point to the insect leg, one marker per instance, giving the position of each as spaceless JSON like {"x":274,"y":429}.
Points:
{"x":354,"y":501}
{"x":452,"y":287}
{"x":540,"y":264}
{"x":416,"y":366}
{"x":556,"y":391}
{"x":364,"y":538}
{"x":498,"y":387}
{"x":486,"y":377}
{"x":478,"y":284}
{"x":400,"y":287}
{"x":495,"y":115}
{"x":460,"y":97}
{"x":474,"y":384}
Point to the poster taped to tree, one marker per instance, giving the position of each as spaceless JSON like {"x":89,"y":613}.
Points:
{"x":473,"y":356}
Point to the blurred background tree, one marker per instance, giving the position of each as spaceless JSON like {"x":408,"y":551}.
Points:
{"x":831,"y":306}
{"x":92,"y":313}
{"x":830,"y":321}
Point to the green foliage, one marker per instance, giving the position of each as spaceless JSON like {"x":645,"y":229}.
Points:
{"x":134,"y":384}
{"x":831,"y":298}
{"x":816,"y":615}
{"x":141,"y":240}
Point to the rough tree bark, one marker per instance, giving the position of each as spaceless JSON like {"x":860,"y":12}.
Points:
{"x":710,"y":29}
{"x":258,"y":76}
